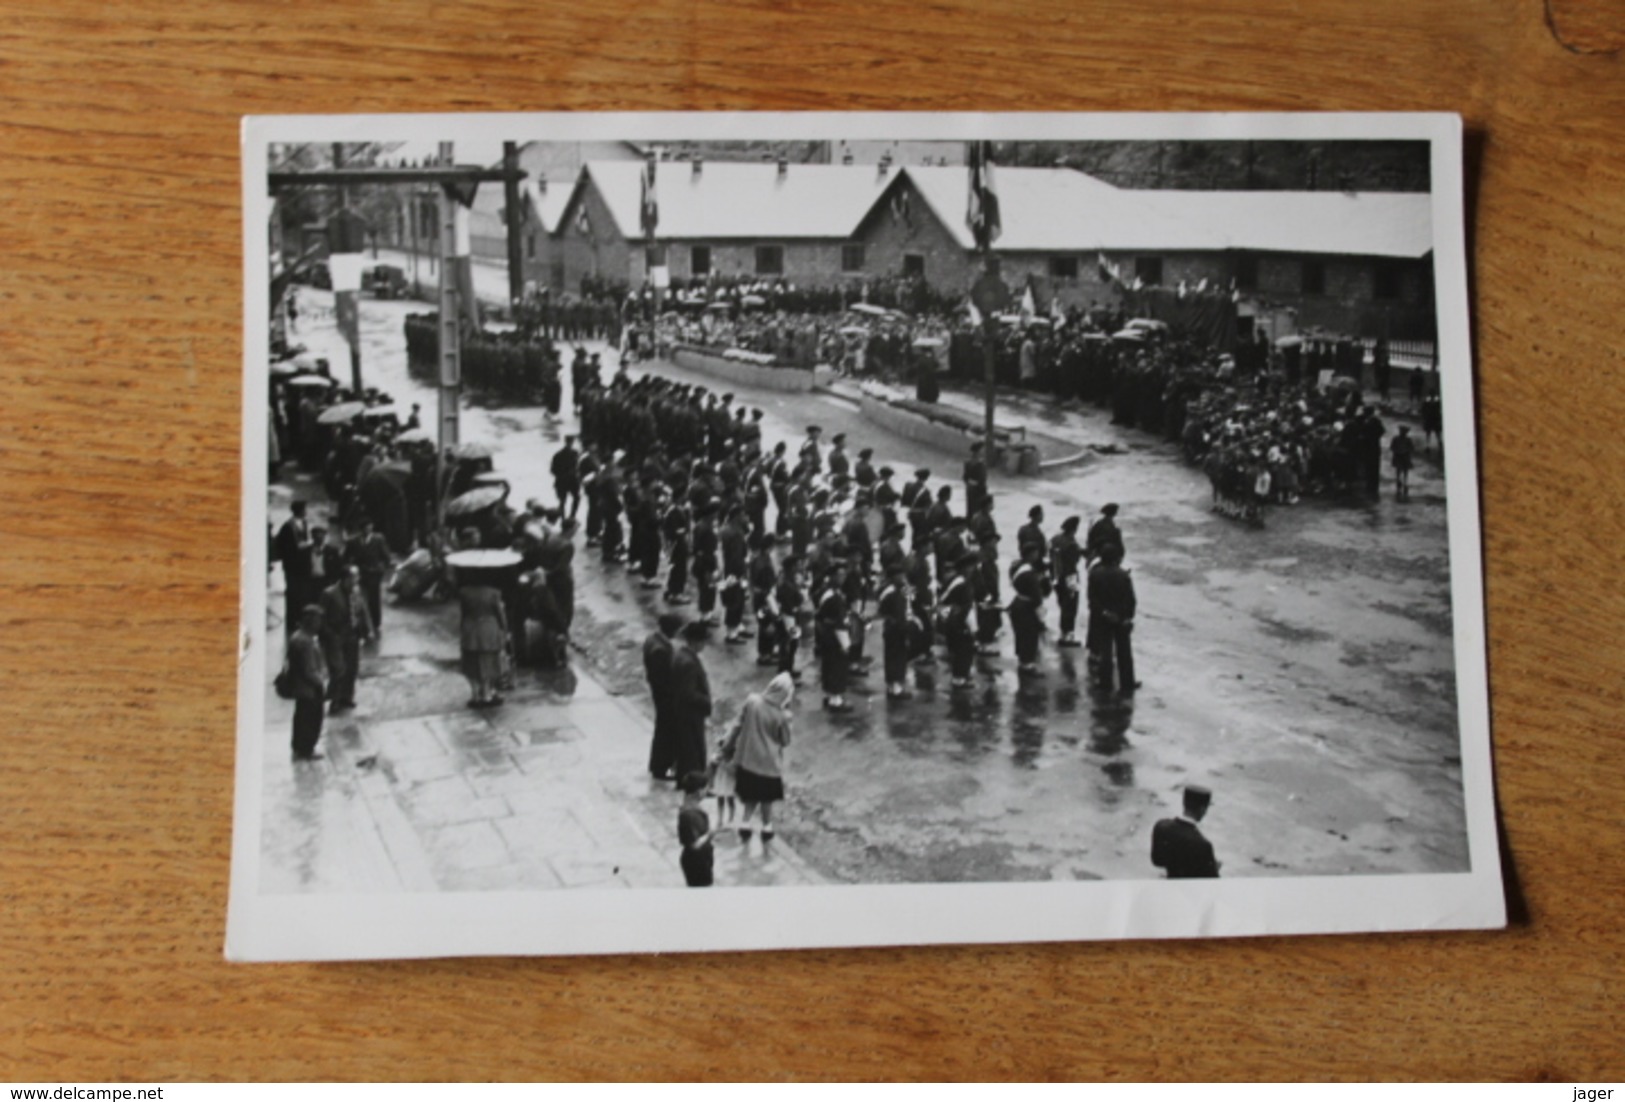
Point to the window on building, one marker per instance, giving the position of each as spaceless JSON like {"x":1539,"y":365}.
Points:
{"x":699,"y":260}
{"x":1247,"y":272}
{"x":1148,"y":270}
{"x":914,"y":264}
{"x":851,"y":258}
{"x":1314,"y":277}
{"x":1385,"y":280}
{"x":770,"y":260}
{"x":1063,"y":267}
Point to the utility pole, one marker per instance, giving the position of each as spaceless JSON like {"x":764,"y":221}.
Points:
{"x":450,"y":344}
{"x":514,"y":216}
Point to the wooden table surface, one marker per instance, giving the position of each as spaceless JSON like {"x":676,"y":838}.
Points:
{"x":120,"y":319}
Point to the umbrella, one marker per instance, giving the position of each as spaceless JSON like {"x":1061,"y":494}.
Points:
{"x":490,"y":478}
{"x":305,"y":362}
{"x":928,"y":342}
{"x":285,"y":367}
{"x":754,"y":300}
{"x":415,"y":436}
{"x":340,"y":414}
{"x":868,"y":308}
{"x":311,"y":380}
{"x":854,"y":331}
{"x":718,"y":306}
{"x":483,"y":558}
{"x":1146,"y":323}
{"x":386,"y":410}
{"x":1129,"y":335}
{"x":471,"y":449}
{"x":1289,"y":342}
{"x":481,"y":497}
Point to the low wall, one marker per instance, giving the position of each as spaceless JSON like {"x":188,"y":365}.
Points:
{"x":1018,"y":456}
{"x":793,"y":379}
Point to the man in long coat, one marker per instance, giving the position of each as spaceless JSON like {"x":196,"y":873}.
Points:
{"x":689,"y":700}
{"x":657,"y":657}
{"x":345,"y":623}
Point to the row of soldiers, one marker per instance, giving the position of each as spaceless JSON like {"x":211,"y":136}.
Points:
{"x":675,"y":477}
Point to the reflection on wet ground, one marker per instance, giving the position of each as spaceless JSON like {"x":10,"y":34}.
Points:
{"x":1303,"y":670}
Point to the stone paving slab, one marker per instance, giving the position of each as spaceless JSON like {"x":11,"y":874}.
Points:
{"x":419,"y":793}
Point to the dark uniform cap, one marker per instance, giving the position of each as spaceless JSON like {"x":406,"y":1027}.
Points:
{"x":1070,"y":524}
{"x":922,"y":473}
{"x":1110,"y":510}
{"x":671,"y":622}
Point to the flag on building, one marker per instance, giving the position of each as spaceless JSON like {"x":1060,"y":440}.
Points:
{"x":649,"y":206}
{"x":1108,"y":270}
{"x":975,"y":314}
{"x":1029,"y":307}
{"x":982,"y":210}
{"x":1056,"y":312}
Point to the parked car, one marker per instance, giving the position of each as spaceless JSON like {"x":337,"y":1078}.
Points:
{"x":384,"y":281}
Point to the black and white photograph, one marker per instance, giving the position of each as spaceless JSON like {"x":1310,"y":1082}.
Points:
{"x":730,"y":531}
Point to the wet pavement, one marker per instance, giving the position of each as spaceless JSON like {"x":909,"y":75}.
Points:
{"x":1304,"y":671}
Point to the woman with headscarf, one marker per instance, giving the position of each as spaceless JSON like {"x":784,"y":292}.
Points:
{"x":758,"y":755}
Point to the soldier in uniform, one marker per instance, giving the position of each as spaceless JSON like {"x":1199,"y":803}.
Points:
{"x":975,"y":479}
{"x":893,"y":607}
{"x":1028,"y":579}
{"x":1112,"y":605}
{"x":1103,"y":533}
{"x":957,"y":601}
{"x":1065,"y":557}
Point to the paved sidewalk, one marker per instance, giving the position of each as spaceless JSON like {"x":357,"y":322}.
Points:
{"x":418,"y":792}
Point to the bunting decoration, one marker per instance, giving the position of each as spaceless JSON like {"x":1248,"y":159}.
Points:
{"x":982,"y":212}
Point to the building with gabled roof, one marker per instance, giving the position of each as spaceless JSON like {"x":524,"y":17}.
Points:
{"x":772,"y":219}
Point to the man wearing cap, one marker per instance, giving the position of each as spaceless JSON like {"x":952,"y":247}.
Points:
{"x":958,"y":600}
{"x":809,"y":450}
{"x":307,"y":669}
{"x":893,"y":607}
{"x":987,"y":586}
{"x":975,"y":479}
{"x":1032,"y":535}
{"x":983,"y":528}
{"x":657,"y":658}
{"x":864,"y":473}
{"x":1178,"y":845}
{"x":839,"y":464}
{"x":1103,"y":533}
{"x":1065,"y":557}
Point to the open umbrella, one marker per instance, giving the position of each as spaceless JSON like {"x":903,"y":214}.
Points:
{"x":341,"y":414}
{"x":1146,"y":323}
{"x":483,"y":558}
{"x":491,"y":478}
{"x":754,"y":300}
{"x":415,"y":436}
{"x":304,"y":361}
{"x":471,"y":449}
{"x":1129,"y":335}
{"x":869,"y":308}
{"x":1289,"y":342}
{"x":928,"y":342}
{"x":481,"y":497}
{"x":718,"y":306}
{"x":284,"y":368}
{"x":854,"y":331}
{"x":311,"y":381}
{"x":379,"y":413}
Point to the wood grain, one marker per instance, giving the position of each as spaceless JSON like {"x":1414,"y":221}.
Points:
{"x":120,"y":353}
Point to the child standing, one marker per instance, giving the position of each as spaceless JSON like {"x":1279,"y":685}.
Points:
{"x":722,"y":777}
{"x":694,"y":833}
